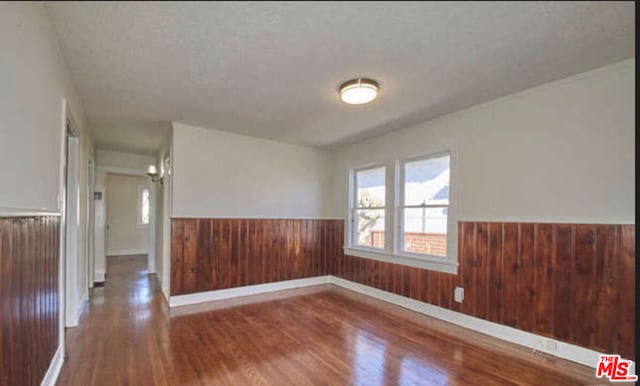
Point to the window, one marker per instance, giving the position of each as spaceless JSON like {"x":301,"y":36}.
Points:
{"x":143,"y":205}
{"x":425,"y":205}
{"x":369,"y":208}
{"x":413,"y":221}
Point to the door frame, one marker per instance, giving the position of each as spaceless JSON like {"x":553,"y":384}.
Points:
{"x":90,"y":247}
{"x":100,"y":215}
{"x":69,"y":199}
{"x":167,"y":192}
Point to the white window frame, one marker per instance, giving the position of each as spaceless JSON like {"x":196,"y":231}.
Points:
{"x":402,"y":206}
{"x":353,"y":208}
{"x":139,"y":222}
{"x":394,"y":197}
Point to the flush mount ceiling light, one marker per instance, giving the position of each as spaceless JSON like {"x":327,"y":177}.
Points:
{"x":358,"y":91}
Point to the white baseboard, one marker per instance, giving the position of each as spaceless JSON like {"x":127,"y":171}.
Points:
{"x":127,"y":252}
{"x":52,"y":373}
{"x":202,"y":297}
{"x":83,"y":305}
{"x":99,"y":277}
{"x":563,"y":350}
{"x":581,"y":355}
{"x":74,"y":321}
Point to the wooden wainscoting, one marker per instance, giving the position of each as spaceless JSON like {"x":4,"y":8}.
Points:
{"x":571,"y":282}
{"x":212,"y":254}
{"x":29,"y":253}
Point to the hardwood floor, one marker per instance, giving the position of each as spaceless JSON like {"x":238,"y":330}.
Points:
{"x":314,"y":336}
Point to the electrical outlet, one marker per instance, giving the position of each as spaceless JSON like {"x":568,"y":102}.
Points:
{"x":458,"y":294}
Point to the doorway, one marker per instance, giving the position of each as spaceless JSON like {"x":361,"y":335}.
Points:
{"x":128,"y":215}
{"x":109,"y":241}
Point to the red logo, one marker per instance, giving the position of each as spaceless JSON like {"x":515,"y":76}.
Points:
{"x":615,"y":368}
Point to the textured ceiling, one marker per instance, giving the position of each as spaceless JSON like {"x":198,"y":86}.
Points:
{"x":271,"y":69}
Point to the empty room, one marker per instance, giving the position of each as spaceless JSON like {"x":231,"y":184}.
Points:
{"x":317,"y":193}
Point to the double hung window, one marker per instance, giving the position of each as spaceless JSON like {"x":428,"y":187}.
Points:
{"x":411,"y":222}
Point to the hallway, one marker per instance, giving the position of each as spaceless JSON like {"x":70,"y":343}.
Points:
{"x":316,"y":335}
{"x":117,"y":342}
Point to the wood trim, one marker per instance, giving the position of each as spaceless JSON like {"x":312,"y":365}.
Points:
{"x":29,"y":256}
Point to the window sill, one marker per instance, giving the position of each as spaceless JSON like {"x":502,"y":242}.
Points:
{"x":431,"y":264}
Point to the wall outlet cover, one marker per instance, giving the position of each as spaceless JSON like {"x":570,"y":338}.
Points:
{"x":458,"y":294}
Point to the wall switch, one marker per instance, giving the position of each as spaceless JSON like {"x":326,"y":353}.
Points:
{"x":458,"y":294}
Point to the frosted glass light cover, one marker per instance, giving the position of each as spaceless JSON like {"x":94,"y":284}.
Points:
{"x":151,"y":170}
{"x":359,"y":91}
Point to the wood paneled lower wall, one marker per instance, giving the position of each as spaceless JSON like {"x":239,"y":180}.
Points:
{"x":212,"y":254}
{"x":571,"y":282}
{"x":29,"y":253}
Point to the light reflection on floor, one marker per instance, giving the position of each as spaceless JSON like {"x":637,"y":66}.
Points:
{"x":416,"y":372}
{"x":140,"y":292}
{"x":369,"y":353}
{"x":323,"y":336}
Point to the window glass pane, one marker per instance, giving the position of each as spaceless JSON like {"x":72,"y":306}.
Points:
{"x":370,"y":228}
{"x":427,"y":181}
{"x":425,"y":231}
{"x":370,"y":185}
{"x":145,"y":206}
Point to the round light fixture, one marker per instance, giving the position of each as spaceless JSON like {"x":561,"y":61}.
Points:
{"x":358,"y":91}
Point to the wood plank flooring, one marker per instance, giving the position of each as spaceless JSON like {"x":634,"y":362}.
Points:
{"x":314,"y":336}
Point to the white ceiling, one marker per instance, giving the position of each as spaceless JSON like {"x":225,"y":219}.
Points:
{"x":132,"y":137}
{"x":271,"y":69}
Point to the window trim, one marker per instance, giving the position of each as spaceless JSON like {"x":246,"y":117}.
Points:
{"x":353,"y":199}
{"x":439,"y":265}
{"x":392,"y":253}
{"x":401,"y":182}
{"x":139,"y":222}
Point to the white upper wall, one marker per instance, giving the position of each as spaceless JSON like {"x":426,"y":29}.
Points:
{"x":561,"y":152}
{"x":33,"y":82}
{"x":219,"y":174}
{"x":125,"y":235}
{"x":116,"y":159}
